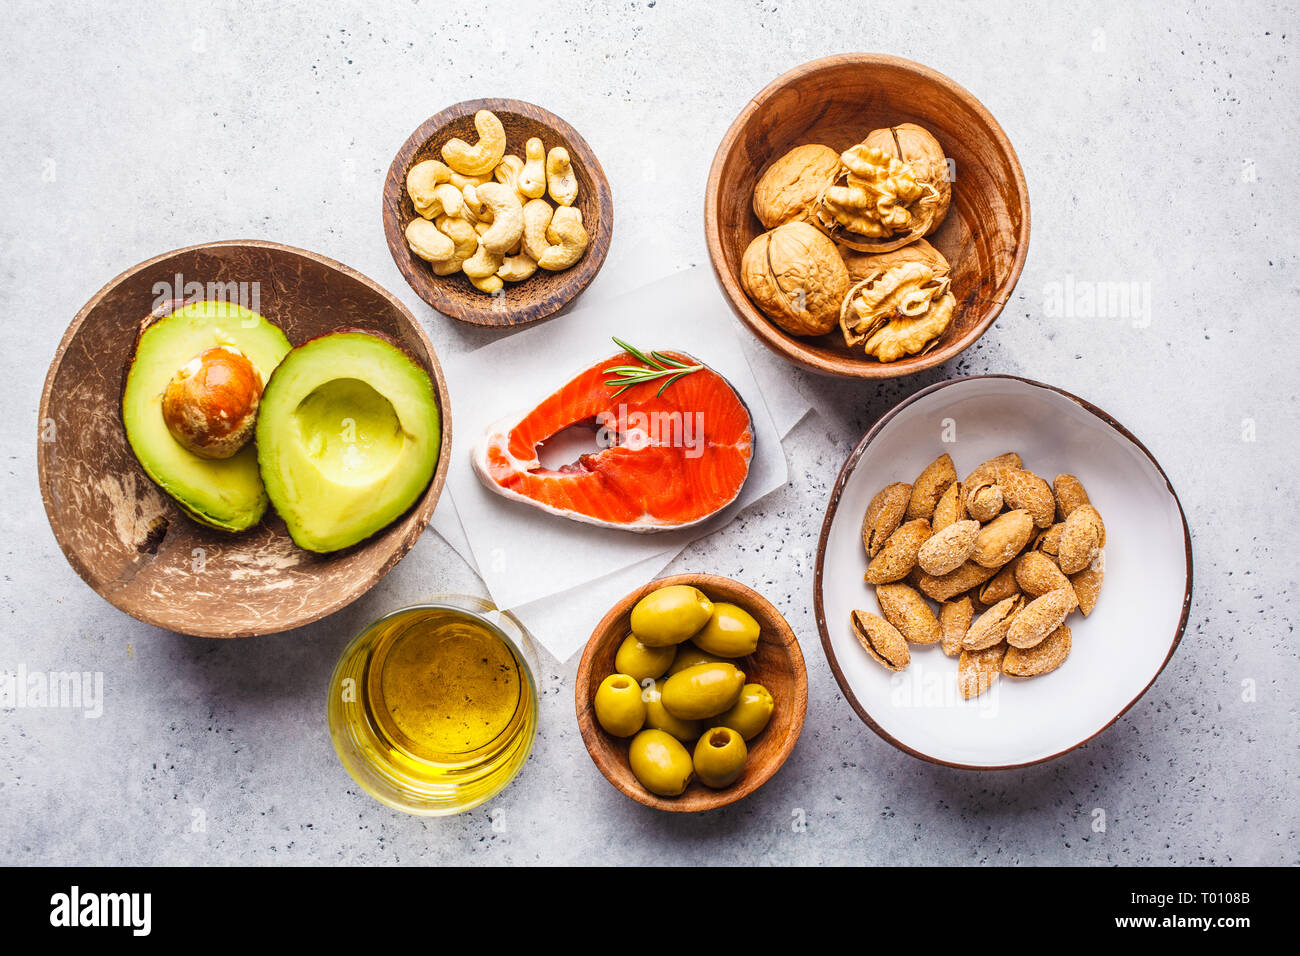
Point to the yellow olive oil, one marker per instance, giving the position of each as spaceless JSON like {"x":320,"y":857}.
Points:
{"x":433,"y":708}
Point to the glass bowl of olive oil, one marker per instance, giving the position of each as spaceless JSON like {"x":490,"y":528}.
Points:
{"x":433,"y":707}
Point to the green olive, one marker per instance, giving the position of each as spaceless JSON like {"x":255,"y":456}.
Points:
{"x":688,"y":655}
{"x":658,"y":718}
{"x":720,"y":757}
{"x":640,"y":662}
{"x":704,"y":690}
{"x":660,"y":762}
{"x":750,"y":714}
{"x":619,"y":707}
{"x":670,"y":615}
{"x":731,"y":632}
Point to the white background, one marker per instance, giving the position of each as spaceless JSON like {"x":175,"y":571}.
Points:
{"x":1159,"y":147}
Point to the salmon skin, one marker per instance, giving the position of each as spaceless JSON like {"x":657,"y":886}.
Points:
{"x":666,"y":461}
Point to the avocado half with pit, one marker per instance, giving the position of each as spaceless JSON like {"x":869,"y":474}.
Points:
{"x":225,"y":493}
{"x":348,"y":436}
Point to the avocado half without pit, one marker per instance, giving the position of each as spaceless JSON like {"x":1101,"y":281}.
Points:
{"x":348,"y":435}
{"x":191,"y":395}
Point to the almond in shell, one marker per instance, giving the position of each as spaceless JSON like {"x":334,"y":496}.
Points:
{"x":898,"y":556}
{"x":950,"y":509}
{"x":1069,"y":494}
{"x":1037,"y":574}
{"x":1082,"y":539}
{"x":990,"y":466}
{"x":1003,"y":538}
{"x":1049,"y":541}
{"x":1047,"y":655}
{"x":945,"y":586}
{"x":991,"y":627}
{"x":1087,"y":583}
{"x":954,"y":622}
{"x":983,"y":498}
{"x":903,"y":607}
{"x":881,"y":640}
{"x":1040,"y":617}
{"x":1000,"y":587}
{"x":1024,"y":489}
{"x":977,"y":670}
{"x":884,"y":515}
{"x":930,"y":486}
{"x":947,"y":550}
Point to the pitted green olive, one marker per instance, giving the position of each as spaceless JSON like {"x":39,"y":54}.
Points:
{"x":720,"y":757}
{"x":731,"y":632}
{"x":704,"y":690}
{"x":670,"y":615}
{"x":688,"y":655}
{"x":750,"y":714}
{"x":619,"y":707}
{"x":658,"y":718}
{"x":640,"y":662}
{"x":660,"y":762}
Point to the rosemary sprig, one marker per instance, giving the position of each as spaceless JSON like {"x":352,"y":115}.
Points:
{"x":660,"y":366}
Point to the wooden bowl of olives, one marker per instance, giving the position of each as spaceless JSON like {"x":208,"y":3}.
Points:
{"x":691,"y":693}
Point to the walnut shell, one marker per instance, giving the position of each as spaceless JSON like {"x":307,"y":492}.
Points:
{"x":902,"y":303}
{"x":893,"y":190}
{"x":796,"y":276}
{"x":790,"y":187}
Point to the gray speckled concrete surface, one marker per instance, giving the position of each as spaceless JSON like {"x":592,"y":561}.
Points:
{"x":1159,"y":146}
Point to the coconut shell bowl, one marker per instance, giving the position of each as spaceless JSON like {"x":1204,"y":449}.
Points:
{"x":543,"y":293}
{"x":777,"y":664}
{"x":837,"y":101}
{"x":129,"y":540}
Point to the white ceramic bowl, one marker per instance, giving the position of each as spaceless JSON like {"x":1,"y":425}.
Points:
{"x":1117,"y":651}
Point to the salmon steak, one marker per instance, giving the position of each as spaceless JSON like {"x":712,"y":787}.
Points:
{"x":674,"y":449}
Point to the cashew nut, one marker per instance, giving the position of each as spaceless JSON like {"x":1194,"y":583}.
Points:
{"x":479,"y":159}
{"x":422,"y":179}
{"x":477,"y":211}
{"x":461,"y":232}
{"x":489,"y":284}
{"x":560,"y":179}
{"x":427,"y":242}
{"x":532,"y":181}
{"x":537,"y":218}
{"x":447,"y":268}
{"x":568,"y":239}
{"x":507,"y":172}
{"x":460,"y":182}
{"x":446,"y":200}
{"x":482,"y":264}
{"x":517,"y":268}
{"x":507,"y":217}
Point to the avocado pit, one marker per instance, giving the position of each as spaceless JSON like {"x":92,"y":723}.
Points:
{"x":210,"y":404}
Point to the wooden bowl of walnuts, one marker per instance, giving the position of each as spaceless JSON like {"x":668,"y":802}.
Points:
{"x":866,"y":216}
{"x":488,"y":141}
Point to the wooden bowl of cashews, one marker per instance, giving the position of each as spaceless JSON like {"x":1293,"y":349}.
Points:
{"x":479,"y":173}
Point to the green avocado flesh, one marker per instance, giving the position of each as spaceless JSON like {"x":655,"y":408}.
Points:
{"x":348,"y":436}
{"x":223,"y":493}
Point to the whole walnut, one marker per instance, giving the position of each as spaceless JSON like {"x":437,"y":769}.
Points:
{"x":790,"y":187}
{"x":893,"y":189}
{"x":796,"y":276}
{"x":900,"y":302}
